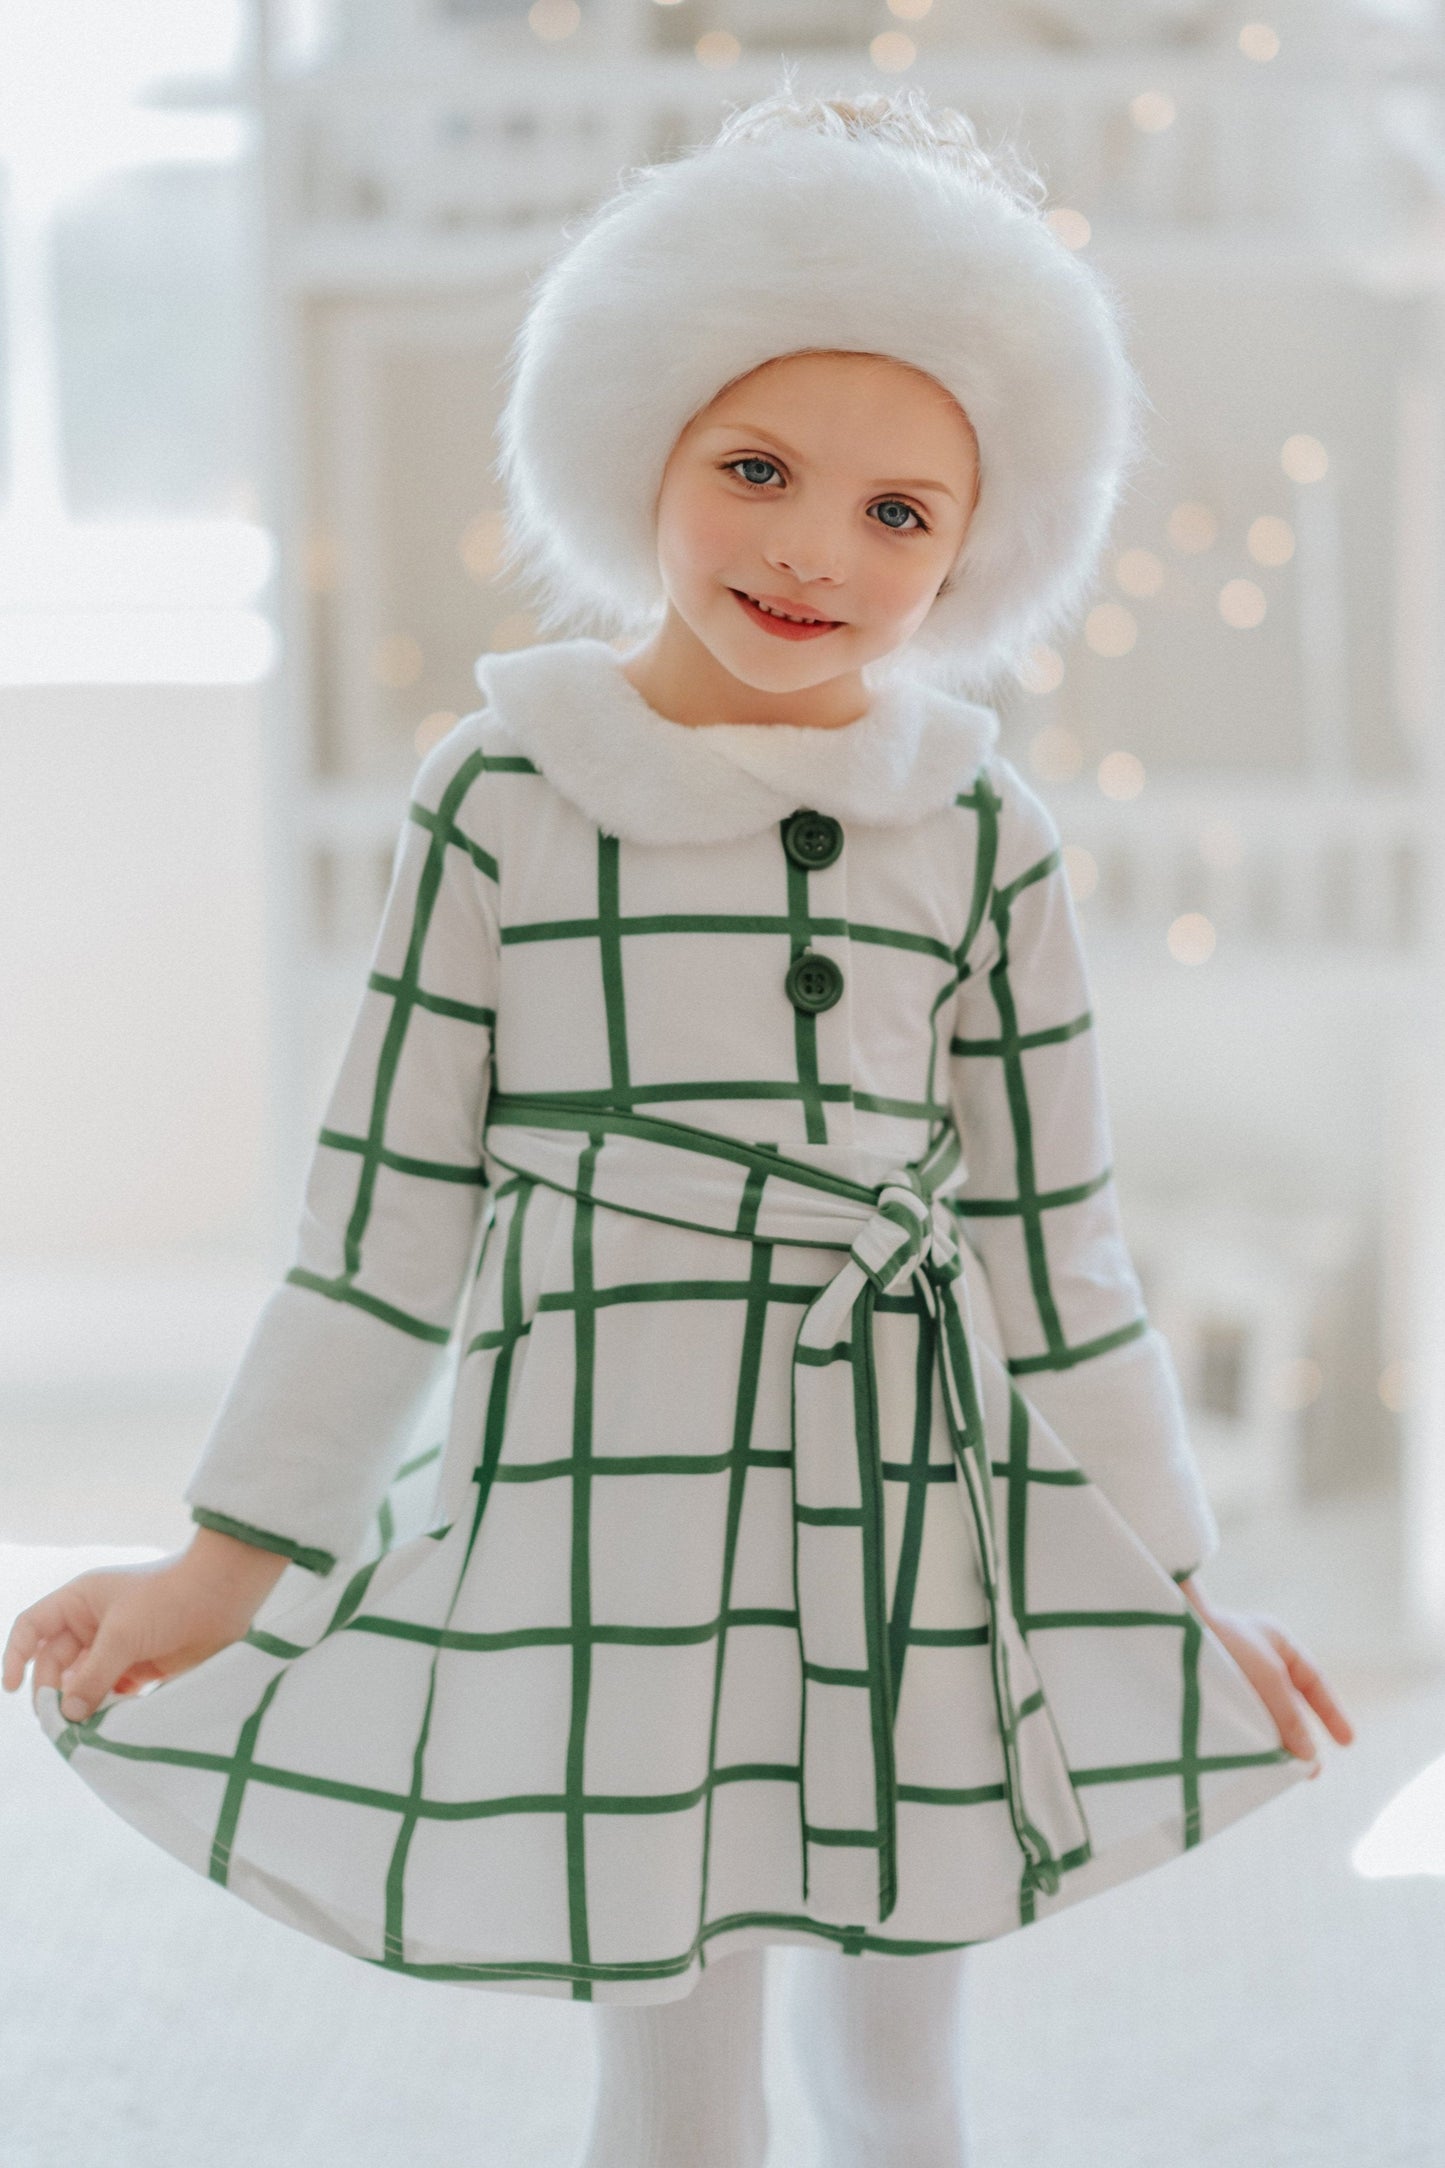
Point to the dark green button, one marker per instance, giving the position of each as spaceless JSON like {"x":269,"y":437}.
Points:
{"x":812,"y":840}
{"x":813,"y":982}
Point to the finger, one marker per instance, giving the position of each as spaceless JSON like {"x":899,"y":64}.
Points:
{"x":52,"y":1658}
{"x":31,"y":1630}
{"x":1279,"y":1695}
{"x":1307,"y":1677}
{"x":87,"y":1682}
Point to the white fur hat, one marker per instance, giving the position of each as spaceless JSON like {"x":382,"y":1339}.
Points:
{"x":798,"y":228}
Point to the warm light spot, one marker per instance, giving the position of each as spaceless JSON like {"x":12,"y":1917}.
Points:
{"x":553,"y":20}
{"x":321,"y":563}
{"x":909,"y":11}
{"x":1055,"y":754}
{"x":1270,"y":541}
{"x":1110,"y":629}
{"x":1242,"y":604}
{"x":666,"y":3}
{"x":1191,"y":939}
{"x":480,"y":545}
{"x":518,"y":630}
{"x":433,"y":728}
{"x":892,"y":52}
{"x":1304,"y":459}
{"x":1139,"y":572}
{"x":397,"y":662}
{"x":1396,"y":1387}
{"x":718,"y":49}
{"x":1296,"y":1384}
{"x":1153,"y":111}
{"x":1121,"y":776}
{"x":1041,"y":671}
{"x":1069,"y":226}
{"x":1192,"y":528}
{"x":1221,"y":846}
{"x":1081,"y":870}
{"x":1258,"y":41}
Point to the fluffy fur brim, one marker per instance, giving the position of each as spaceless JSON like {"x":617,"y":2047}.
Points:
{"x":701,"y":269}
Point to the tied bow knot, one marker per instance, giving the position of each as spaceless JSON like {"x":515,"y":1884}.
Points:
{"x":907,"y":1232}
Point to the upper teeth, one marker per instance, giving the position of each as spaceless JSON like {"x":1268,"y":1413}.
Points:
{"x":789,"y":619}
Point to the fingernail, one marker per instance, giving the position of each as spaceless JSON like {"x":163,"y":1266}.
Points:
{"x":72,"y":1706}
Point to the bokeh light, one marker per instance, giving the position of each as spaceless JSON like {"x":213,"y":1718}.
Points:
{"x":553,"y":20}
{"x":1192,"y":528}
{"x":1396,"y":1387}
{"x":1304,"y":459}
{"x":1191,"y":938}
{"x":1153,"y":111}
{"x":1041,"y":671}
{"x":1270,"y":541}
{"x":480,"y":545}
{"x":1242,"y":604}
{"x":1110,"y":629}
{"x":718,"y":49}
{"x":1069,"y":226}
{"x":1121,"y":776}
{"x":1259,"y":41}
{"x":892,"y":52}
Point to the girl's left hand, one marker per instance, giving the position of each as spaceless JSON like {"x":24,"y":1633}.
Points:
{"x":1281,"y":1674}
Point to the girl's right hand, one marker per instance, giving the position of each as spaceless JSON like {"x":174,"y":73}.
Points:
{"x":115,"y":1628}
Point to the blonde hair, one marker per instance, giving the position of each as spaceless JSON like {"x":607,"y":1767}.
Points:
{"x":902,"y":116}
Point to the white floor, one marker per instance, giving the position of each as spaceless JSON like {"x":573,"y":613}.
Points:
{"x":1256,"y":2004}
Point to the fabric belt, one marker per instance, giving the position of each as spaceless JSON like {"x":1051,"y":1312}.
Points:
{"x":895,"y":1232}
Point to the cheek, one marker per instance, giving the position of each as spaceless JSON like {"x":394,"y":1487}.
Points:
{"x":698,"y":534}
{"x":905,"y":580}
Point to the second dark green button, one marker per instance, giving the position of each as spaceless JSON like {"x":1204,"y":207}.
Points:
{"x":812,"y":840}
{"x":813,"y":982}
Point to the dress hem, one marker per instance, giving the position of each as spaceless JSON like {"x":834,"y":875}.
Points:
{"x":669,"y":1979}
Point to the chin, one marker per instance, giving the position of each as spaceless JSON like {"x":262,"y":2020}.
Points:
{"x":780,"y":667}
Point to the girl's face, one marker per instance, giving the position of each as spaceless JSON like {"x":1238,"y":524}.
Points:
{"x":834,"y":487}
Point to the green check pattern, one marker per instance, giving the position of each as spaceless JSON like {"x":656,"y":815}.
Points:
{"x":529,"y":1712}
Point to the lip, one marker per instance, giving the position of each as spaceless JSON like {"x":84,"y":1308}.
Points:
{"x":778,"y":626}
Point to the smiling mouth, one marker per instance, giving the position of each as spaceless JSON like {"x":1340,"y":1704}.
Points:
{"x":798,"y":624}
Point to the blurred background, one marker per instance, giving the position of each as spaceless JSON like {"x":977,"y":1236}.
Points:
{"x":259,"y":269}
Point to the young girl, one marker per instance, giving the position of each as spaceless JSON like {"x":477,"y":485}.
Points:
{"x":812,"y":1558}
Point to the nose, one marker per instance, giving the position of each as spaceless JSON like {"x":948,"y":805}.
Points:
{"x":806,"y":554}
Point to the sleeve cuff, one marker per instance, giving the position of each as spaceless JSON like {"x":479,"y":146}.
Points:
{"x":1122,"y":1417}
{"x":311,"y":1428}
{"x":264,"y":1539}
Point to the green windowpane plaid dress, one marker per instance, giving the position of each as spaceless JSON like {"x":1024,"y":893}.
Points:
{"x":721,"y":1130}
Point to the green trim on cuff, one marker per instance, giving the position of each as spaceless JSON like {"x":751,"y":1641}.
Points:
{"x":313,"y":1560}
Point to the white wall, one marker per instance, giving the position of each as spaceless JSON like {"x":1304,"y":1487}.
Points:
{"x":133,"y":1054}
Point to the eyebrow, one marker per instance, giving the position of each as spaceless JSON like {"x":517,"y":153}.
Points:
{"x":767,"y":436}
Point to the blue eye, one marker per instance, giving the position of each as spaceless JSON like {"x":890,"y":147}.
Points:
{"x":735,"y":466}
{"x":896,"y":504}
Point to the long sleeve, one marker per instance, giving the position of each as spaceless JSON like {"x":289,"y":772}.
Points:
{"x":1040,"y":1202}
{"x":350,"y":1343}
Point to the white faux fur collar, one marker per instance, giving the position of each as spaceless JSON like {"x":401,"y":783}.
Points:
{"x":643,"y":777}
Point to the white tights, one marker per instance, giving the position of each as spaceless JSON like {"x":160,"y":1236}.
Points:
{"x":877,"y":2042}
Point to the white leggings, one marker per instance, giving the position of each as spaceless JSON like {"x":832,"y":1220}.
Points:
{"x":877,"y":2042}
